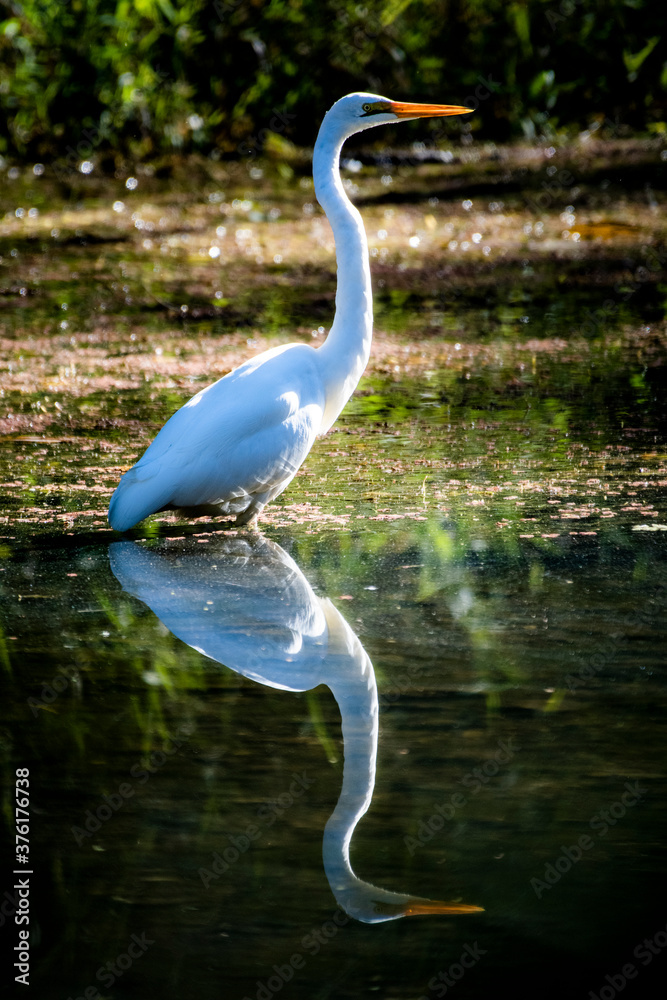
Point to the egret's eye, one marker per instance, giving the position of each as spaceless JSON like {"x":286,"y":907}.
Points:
{"x":367,"y":107}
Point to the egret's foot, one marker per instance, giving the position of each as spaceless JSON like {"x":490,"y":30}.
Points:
{"x":247,"y":519}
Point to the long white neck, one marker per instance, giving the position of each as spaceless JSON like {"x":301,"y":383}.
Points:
{"x":351,"y":678}
{"x":359,"y":721}
{"x":344,"y":354}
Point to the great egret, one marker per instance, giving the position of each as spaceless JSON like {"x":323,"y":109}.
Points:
{"x":237,"y":444}
{"x":245,"y":603}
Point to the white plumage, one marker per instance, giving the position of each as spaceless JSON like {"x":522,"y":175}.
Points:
{"x":237,"y":444}
{"x":222,"y":453}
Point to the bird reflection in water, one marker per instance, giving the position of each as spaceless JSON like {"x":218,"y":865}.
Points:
{"x":246,"y":604}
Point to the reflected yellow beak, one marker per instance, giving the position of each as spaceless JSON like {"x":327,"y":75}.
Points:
{"x":418,"y":907}
{"x":402,"y":110}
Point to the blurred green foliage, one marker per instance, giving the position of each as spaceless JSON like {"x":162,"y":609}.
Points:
{"x":82,"y":77}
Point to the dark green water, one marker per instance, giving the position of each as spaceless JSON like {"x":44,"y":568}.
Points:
{"x":543,"y":671}
{"x":488,"y":518}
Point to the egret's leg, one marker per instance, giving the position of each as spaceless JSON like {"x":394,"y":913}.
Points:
{"x":249,"y":516}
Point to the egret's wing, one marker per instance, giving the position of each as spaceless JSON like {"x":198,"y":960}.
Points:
{"x":245,"y":434}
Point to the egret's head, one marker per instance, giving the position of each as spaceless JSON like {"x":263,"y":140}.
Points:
{"x":357,"y":112}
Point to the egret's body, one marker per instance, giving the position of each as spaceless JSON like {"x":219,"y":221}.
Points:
{"x":238,"y":443}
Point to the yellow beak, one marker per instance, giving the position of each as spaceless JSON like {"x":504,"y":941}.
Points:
{"x":431,"y":906}
{"x":402,"y":110}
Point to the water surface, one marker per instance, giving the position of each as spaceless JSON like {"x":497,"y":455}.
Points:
{"x":487,"y":519}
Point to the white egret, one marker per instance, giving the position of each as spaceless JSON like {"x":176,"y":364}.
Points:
{"x":237,"y":444}
{"x":245,"y":603}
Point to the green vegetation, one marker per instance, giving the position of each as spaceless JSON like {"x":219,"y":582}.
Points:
{"x":110,"y":78}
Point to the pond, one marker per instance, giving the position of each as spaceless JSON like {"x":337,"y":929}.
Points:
{"x":410,"y":736}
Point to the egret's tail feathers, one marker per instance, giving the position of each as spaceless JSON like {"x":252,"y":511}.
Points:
{"x":136,"y":497}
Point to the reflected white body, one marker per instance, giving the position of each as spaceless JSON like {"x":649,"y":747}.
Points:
{"x":245,"y":603}
{"x":238,"y":443}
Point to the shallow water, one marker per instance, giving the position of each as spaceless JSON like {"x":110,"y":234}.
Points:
{"x":488,"y":521}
